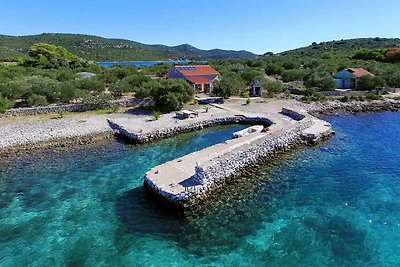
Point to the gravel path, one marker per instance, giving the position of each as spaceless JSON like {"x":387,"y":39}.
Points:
{"x":23,"y":132}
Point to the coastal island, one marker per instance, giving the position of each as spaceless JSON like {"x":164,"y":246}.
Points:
{"x":279,"y":159}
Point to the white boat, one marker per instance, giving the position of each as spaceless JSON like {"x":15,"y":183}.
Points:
{"x":247,"y":131}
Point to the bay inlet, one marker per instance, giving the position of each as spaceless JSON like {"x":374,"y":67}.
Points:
{"x":336,"y":203}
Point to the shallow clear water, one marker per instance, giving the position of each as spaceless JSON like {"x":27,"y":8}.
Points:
{"x":332,"y":205}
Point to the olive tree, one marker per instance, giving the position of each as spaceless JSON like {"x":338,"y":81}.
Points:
{"x":168,"y":95}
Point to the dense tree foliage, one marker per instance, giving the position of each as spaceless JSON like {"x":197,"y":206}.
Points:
{"x":369,"y":82}
{"x":323,"y":80}
{"x":52,"y":56}
{"x":229,"y":85}
{"x":4,"y":104}
{"x":24,"y":86}
{"x":168,"y":95}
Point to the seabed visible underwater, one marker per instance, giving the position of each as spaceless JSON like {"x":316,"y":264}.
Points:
{"x":336,"y":204}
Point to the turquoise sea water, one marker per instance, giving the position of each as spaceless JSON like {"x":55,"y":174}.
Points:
{"x":333,"y":205}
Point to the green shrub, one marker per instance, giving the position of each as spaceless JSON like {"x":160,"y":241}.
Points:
{"x":322,"y":81}
{"x":90,"y":84}
{"x":293,"y":75}
{"x":371,"y":54}
{"x":156,"y":115}
{"x":37,"y":101}
{"x":392,"y":78}
{"x":168,"y":95}
{"x":61,"y":114}
{"x":5,"y":104}
{"x":101,"y":101}
{"x":290,"y":65}
{"x":249,"y":75}
{"x":272,"y":68}
{"x":246,"y":94}
{"x":65,"y":75}
{"x":274,"y":87}
{"x":373,"y":97}
{"x":345,"y":99}
{"x":368,"y":82}
{"x":169,"y":102}
{"x":68,"y":92}
{"x":229,"y":85}
{"x":311,"y":95}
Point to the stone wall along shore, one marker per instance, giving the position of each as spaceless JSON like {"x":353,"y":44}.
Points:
{"x":69,"y":108}
{"x":167,"y":132}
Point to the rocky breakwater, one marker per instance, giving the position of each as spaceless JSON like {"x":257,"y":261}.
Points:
{"x":211,"y":176}
{"x":145,"y":137}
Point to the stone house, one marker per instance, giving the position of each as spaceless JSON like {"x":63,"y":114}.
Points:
{"x":201,"y":77}
{"x":348,"y":78}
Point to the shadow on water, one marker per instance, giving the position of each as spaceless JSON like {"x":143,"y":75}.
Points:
{"x":244,"y":207}
{"x":216,"y":226}
{"x":142,"y":213}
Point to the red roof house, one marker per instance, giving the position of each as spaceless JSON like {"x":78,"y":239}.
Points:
{"x":201,"y":77}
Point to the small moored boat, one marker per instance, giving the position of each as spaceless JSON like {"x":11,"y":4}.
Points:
{"x":247,"y":131}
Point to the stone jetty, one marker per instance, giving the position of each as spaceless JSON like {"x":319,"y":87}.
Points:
{"x":192,"y":178}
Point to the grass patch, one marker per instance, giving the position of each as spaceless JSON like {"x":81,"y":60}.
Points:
{"x":103,"y":111}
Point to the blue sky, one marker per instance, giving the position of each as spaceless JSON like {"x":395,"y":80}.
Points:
{"x":254,"y":25}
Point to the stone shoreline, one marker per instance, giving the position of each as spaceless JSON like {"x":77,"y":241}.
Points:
{"x":57,"y":144}
{"x":63,"y":142}
{"x":332,"y":107}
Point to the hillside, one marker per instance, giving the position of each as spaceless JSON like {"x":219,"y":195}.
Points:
{"x":343,"y":46}
{"x":104,"y":49}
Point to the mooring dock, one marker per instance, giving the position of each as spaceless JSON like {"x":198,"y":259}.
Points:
{"x":175,"y":177}
{"x":185,"y":180}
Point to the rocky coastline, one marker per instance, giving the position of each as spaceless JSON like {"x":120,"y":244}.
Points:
{"x":334,"y":107}
{"x":57,"y":144}
{"x":27,"y":135}
{"x":72,"y":135}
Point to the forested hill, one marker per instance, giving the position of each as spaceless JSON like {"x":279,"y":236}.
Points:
{"x":344,"y":46}
{"x":104,"y":49}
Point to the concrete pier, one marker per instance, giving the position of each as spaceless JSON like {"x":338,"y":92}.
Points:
{"x":187,"y":180}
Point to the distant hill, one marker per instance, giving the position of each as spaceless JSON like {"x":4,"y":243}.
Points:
{"x":348,"y":46}
{"x":104,"y":49}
